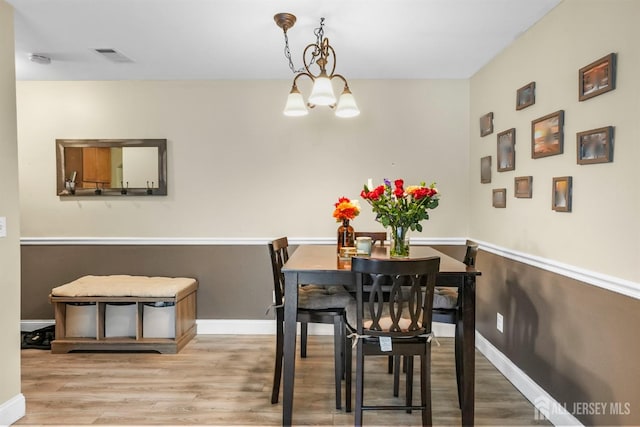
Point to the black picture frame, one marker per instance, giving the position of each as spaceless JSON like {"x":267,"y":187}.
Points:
{"x":506,"y":157}
{"x":547,"y":135}
{"x":523,"y":187}
{"x":486,"y":124}
{"x":485,"y":170}
{"x":561,"y":192}
{"x":526,"y":96}
{"x":597,"y":78}
{"x":595,"y":146}
{"x":499,"y":198}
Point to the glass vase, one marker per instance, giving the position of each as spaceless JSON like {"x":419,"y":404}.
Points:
{"x":345,"y":235}
{"x":399,"y":242}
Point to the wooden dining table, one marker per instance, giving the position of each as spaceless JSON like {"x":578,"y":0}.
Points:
{"x":320,"y":264}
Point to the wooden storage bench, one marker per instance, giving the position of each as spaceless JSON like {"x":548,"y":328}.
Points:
{"x":100,"y":304}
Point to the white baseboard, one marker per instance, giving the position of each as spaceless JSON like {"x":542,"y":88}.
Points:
{"x":244,"y":327}
{"x":12,"y":410}
{"x":543,"y":402}
{"x":235,"y":327}
{"x":267,"y":327}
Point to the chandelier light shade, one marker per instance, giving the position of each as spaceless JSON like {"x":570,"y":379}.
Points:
{"x":295,"y":106}
{"x":322,"y":55}
{"x":322,"y":92}
{"x":347,"y":106}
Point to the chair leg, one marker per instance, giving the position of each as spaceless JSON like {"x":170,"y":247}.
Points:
{"x":277,"y":372}
{"x":390,"y":365}
{"x":409,"y":381}
{"x":396,"y":375}
{"x":425,"y":386}
{"x":347,"y":374}
{"x":338,"y":343}
{"x":458,"y":358}
{"x":359,"y":383}
{"x":303,"y":339}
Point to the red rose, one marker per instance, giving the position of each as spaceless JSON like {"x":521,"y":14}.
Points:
{"x":373,"y":194}
{"x":421,"y":193}
{"x":399,"y":192}
{"x":399,"y":183}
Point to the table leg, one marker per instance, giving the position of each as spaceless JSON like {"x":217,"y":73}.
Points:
{"x":290,"y":321}
{"x":469,"y":349}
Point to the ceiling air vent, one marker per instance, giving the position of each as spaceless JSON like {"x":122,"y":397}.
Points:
{"x":112,"y":55}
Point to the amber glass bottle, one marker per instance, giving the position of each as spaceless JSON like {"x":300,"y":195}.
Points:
{"x":345,"y":235}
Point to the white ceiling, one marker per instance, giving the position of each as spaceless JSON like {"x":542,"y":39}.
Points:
{"x":238,"y":39}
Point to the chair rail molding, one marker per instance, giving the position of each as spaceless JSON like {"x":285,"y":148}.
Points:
{"x":611,"y":283}
{"x":204,"y":241}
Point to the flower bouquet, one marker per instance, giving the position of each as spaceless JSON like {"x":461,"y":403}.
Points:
{"x":401,"y":209}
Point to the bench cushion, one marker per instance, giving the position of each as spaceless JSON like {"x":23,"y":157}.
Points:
{"x":125,"y":286}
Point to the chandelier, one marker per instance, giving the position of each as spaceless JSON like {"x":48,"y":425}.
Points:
{"x":321,"y":54}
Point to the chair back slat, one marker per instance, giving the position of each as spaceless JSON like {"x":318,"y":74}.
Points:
{"x":400,"y":295}
{"x":471,"y":253}
{"x":279,"y":253}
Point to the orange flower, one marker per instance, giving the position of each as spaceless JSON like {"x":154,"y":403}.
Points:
{"x":346,"y":209}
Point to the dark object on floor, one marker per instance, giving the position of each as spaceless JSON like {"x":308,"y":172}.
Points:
{"x":40,"y":338}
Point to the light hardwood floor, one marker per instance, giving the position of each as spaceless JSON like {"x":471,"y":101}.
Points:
{"x":226,"y":380}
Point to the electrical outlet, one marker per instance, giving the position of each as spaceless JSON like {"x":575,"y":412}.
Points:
{"x":3,"y":226}
{"x":500,"y":322}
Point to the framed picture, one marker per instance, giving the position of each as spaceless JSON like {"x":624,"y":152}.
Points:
{"x":500,"y":198}
{"x":597,"y":78}
{"x":561,"y":194}
{"x":506,"y":150}
{"x":595,"y":146}
{"x":485,"y":170}
{"x":486,"y":124}
{"x":547,"y":135}
{"x":526,"y":96}
{"x":523,"y":186}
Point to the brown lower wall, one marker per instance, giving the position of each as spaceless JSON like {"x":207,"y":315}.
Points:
{"x":235,"y":282}
{"x":577,"y":341}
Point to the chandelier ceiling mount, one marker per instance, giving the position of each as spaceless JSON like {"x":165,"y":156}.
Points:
{"x":285,"y":20}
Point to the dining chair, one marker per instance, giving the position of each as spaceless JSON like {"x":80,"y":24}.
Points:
{"x":316,"y":304}
{"x":395,"y":319}
{"x":447,"y":309}
{"x":377,"y":237}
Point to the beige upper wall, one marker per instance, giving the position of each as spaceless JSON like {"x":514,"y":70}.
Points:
{"x":602,"y":234}
{"x":9,"y":208}
{"x":236,"y":166}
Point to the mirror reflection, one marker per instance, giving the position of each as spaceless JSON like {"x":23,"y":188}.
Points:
{"x":111,"y":167}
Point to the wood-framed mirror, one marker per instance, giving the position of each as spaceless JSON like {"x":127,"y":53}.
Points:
{"x":111,"y":167}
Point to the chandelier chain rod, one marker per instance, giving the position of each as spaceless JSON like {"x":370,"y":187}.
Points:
{"x":319,"y":33}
